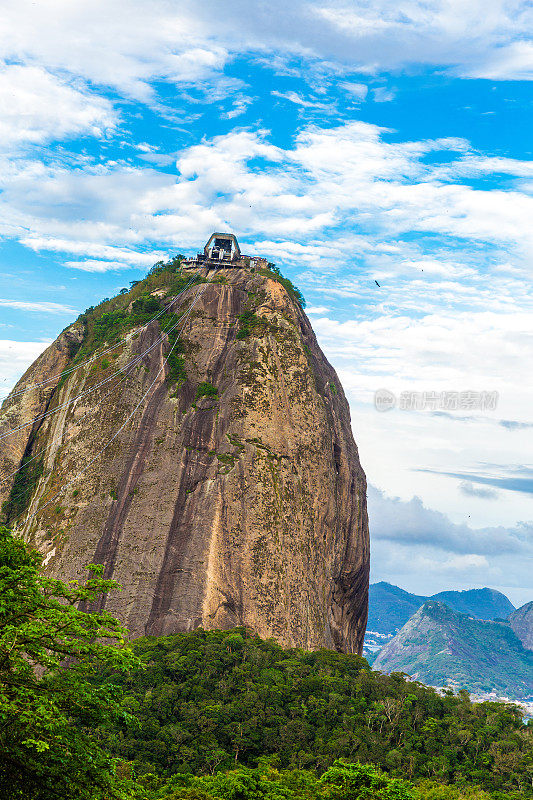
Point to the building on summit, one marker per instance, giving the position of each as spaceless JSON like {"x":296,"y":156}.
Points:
{"x":222,"y":250}
{"x":222,"y":247}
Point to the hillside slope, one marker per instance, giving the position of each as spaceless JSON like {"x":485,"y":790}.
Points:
{"x":389,"y":607}
{"x":438,"y":645}
{"x":233,"y":495}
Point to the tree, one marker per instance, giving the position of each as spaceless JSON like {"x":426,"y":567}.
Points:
{"x":50,"y":653}
{"x":343,"y":781}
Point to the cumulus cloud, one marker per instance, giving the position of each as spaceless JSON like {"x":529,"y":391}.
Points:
{"x":189,"y":44}
{"x":481,"y":39}
{"x":435,"y":351}
{"x":410,"y":522}
{"x":425,"y":552}
{"x":330,"y":180}
{"x":101,"y":44}
{"x":36,"y":106}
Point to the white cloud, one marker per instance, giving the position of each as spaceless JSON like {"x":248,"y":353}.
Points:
{"x":467,"y":562}
{"x":513,"y":61}
{"x":239,"y":107}
{"x":104,"y":253}
{"x":425,"y":552}
{"x":358,"y":91}
{"x":338,"y":195}
{"x":413,"y":524}
{"x":102,"y":44}
{"x":299,"y":100}
{"x":484,"y":38}
{"x":189,"y":44}
{"x":468,"y":488}
{"x":435,"y":350}
{"x":383,"y":95}
{"x":43,"y":308}
{"x":15,"y":358}
{"x":36,"y":106}
{"x":92,"y":265}
{"x":144,"y":147}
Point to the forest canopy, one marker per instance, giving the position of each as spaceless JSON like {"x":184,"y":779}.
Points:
{"x":223,"y":714}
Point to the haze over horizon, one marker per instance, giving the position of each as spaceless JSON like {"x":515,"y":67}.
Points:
{"x":381,"y":157}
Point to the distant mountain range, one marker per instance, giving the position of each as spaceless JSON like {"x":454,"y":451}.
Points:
{"x":391,"y":607}
{"x":439,"y":645}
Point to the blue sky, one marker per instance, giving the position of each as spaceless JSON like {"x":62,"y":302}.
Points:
{"x":348,"y":142}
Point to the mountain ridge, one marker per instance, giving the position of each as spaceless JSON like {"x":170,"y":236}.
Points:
{"x":390,"y":607}
{"x":438,"y":646}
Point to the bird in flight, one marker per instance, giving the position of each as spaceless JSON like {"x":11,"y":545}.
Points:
{"x":377,"y":284}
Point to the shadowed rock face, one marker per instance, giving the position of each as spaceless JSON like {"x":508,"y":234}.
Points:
{"x":521,"y":622}
{"x":246,"y":509}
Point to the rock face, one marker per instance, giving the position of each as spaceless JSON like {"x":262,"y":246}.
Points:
{"x":439,"y":646}
{"x":31,"y":399}
{"x":521,"y":622}
{"x":242,"y":507}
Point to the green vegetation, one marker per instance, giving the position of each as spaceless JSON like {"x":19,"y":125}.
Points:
{"x":207,"y":700}
{"x":342,"y":781}
{"x":26,"y":479}
{"x":247,"y":322}
{"x":274,"y":273}
{"x":223,"y":715}
{"x":391,"y":607}
{"x":110,"y":326}
{"x":206,"y":389}
{"x":107,"y":323}
{"x":47,"y":714}
{"x":177,"y":373}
